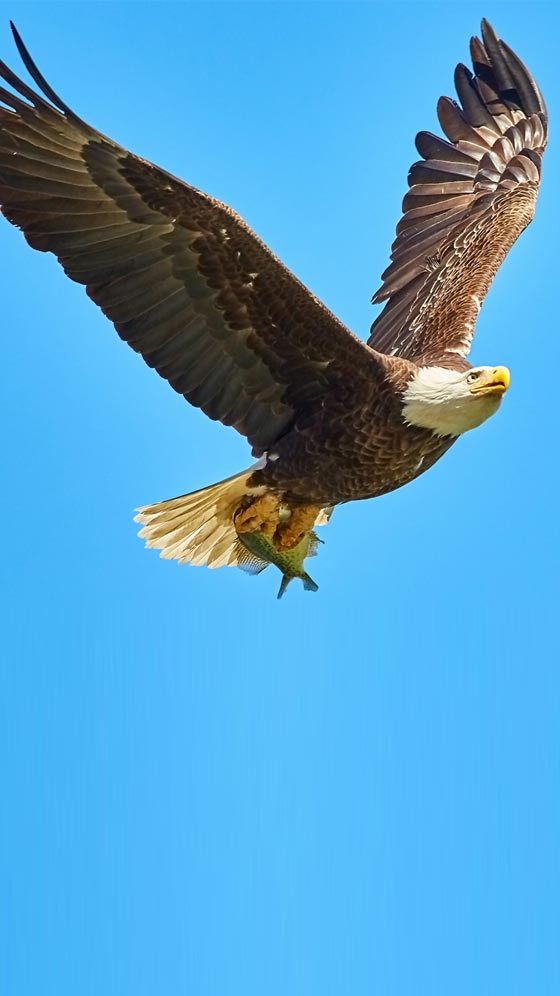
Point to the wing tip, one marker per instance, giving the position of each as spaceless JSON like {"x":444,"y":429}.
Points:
{"x":40,"y":80}
{"x":16,"y":34}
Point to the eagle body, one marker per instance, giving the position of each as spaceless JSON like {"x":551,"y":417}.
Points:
{"x":188,"y":285}
{"x":371,"y":449}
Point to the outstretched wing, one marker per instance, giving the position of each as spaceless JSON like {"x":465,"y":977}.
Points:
{"x":469,"y":199}
{"x":185,"y":281}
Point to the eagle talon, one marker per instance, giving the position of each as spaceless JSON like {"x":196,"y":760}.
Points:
{"x":290,"y":533}
{"x":261,"y":514}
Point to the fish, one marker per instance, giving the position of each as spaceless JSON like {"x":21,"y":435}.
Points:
{"x":256,"y":551}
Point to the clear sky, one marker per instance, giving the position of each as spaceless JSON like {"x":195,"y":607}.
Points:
{"x":206,"y":791}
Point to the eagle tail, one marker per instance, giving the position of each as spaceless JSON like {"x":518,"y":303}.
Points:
{"x":198,"y":528}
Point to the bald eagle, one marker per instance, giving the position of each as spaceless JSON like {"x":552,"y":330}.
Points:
{"x":187,"y":284}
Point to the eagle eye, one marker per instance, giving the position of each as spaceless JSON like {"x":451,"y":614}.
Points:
{"x":474,"y":375}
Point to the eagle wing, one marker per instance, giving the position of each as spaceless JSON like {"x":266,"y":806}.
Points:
{"x":184,"y":280}
{"x":469,"y":199}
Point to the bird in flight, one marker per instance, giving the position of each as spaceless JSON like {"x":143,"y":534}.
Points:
{"x":330,"y":418}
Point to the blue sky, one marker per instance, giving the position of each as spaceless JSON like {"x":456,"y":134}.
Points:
{"x":206,"y":791}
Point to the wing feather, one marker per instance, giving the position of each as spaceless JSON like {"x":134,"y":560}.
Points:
{"x":186,"y":283}
{"x":470,"y":197}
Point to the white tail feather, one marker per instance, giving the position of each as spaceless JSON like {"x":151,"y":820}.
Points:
{"x":198,"y":528}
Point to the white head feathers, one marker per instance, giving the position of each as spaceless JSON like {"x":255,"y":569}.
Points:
{"x":450,"y":403}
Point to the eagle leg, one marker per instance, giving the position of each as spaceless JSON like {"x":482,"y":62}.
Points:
{"x":301,"y":521}
{"x":261,"y":514}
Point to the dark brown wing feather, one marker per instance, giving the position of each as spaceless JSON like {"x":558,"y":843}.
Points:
{"x":185,"y":281}
{"x":469,"y":199}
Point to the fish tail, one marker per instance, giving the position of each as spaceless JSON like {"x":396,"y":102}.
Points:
{"x":286,"y":578}
{"x":308,"y":583}
{"x":197,"y":528}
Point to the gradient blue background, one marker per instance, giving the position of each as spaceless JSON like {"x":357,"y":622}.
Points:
{"x":204,"y":791}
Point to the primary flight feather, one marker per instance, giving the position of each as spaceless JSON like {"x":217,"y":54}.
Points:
{"x":188,"y":285}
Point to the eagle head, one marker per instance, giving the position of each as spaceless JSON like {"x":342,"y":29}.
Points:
{"x":450,"y":402}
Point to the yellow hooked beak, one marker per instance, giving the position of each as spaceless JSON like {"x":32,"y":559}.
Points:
{"x":495,"y":381}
